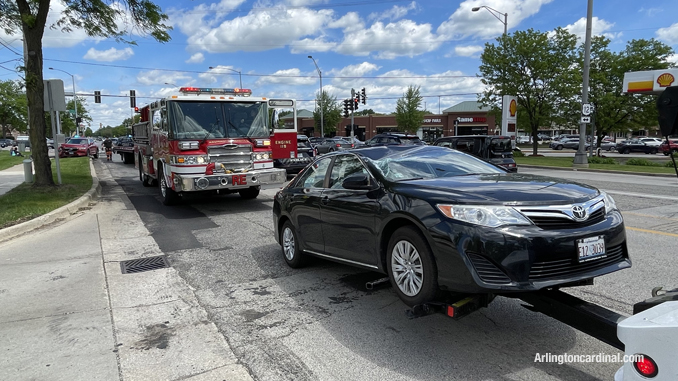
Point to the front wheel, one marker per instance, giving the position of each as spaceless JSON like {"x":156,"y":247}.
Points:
{"x":626,"y":151}
{"x":411,"y":267}
{"x":654,"y":151}
{"x":559,"y":147}
{"x":249,"y":193}
{"x":169,"y":196}
{"x":96,"y":154}
{"x":290,"y":246}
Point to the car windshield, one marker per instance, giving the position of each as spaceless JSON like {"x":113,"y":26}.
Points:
{"x":410,"y":141}
{"x":303,"y":143}
{"x":500,"y":145}
{"x":431,"y":163}
{"x":77,"y":141}
{"x":201,"y":120}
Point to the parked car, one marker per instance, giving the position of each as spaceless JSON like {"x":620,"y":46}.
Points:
{"x":544,"y":137}
{"x":390,"y":138}
{"x":491,"y":148}
{"x":331,"y":145}
{"x":636,"y":145}
{"x":666,"y":150}
{"x":356,"y":142}
{"x":50,"y":143}
{"x":566,"y":136}
{"x":523,"y":139}
{"x":655,"y":142}
{"x":568,"y":143}
{"x":6,"y":142}
{"x":305,"y":154}
{"x":79,"y":147}
{"x":435,"y":219}
{"x":608,"y":146}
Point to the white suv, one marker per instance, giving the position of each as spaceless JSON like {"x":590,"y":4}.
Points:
{"x":654,"y":142}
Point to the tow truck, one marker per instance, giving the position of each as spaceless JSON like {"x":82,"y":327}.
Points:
{"x":650,"y":336}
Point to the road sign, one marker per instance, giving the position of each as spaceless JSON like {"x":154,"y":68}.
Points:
{"x":586,"y":109}
{"x":72,"y":112}
{"x":585,"y":119}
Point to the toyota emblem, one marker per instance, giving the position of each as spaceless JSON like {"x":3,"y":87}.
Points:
{"x":578,"y":212}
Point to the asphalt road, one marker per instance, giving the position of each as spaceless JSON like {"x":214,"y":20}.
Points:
{"x":320,"y":323}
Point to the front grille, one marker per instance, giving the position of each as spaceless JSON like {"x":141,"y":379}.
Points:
{"x":233,"y":157}
{"x":486,"y":270}
{"x":568,"y":267}
{"x":556,"y":222}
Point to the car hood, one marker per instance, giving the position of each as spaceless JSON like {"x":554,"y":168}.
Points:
{"x":66,"y":145}
{"x":509,"y":188}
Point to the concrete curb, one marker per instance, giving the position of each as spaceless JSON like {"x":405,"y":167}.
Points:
{"x":595,"y":170}
{"x":93,"y":194}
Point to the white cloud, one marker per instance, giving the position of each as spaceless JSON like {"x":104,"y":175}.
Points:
{"x":465,"y":23}
{"x":311,"y":45}
{"x":598,"y":28}
{"x":468,"y":51}
{"x":159,"y":77}
{"x":394,"y":13}
{"x":402,"y":38}
{"x":354,"y":70}
{"x":670,"y":34}
{"x":109,"y":55}
{"x":292,"y":77}
{"x":260,"y":30}
{"x":673,"y":58}
{"x":349,"y":20}
{"x":303,"y":3}
{"x":223,"y":76}
{"x":650,"y":11}
{"x":196,"y":58}
{"x":202,"y":17}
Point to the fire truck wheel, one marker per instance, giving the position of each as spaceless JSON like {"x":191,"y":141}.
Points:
{"x":169,"y":196}
{"x":290,"y":246}
{"x":249,"y":193}
{"x":143,"y":177}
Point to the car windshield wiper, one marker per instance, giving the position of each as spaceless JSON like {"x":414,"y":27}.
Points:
{"x":414,"y":178}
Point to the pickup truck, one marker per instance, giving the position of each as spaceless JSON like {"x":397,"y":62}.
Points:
{"x":125,"y":148}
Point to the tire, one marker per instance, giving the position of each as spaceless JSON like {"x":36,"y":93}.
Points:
{"x":666,"y":154}
{"x":290,"y":246}
{"x":409,"y":261}
{"x":123,"y":158}
{"x":143,"y":177}
{"x":249,"y":193}
{"x":96,"y":154}
{"x":559,"y":147}
{"x":168,"y":195}
{"x":626,"y":151}
{"x":654,"y":151}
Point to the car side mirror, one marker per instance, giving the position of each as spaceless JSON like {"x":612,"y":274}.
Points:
{"x":359,"y":181}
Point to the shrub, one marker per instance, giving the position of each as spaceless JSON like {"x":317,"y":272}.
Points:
{"x":601,"y":160}
{"x":518,"y":154}
{"x":642,"y":162}
{"x":669,"y":164}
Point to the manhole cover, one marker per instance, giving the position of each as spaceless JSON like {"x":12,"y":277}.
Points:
{"x":144,"y":264}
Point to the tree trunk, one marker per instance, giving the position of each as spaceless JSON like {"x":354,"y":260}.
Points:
{"x":35,"y":94}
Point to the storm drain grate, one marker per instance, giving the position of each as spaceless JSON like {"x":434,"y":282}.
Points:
{"x":144,"y":264}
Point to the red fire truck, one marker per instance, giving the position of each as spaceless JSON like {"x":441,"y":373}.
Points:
{"x":207,"y":139}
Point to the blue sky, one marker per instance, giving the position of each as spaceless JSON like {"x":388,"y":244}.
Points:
{"x":382,"y":45}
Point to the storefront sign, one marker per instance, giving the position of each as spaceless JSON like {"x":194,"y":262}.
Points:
{"x":475,"y":119}
{"x":433,"y":120}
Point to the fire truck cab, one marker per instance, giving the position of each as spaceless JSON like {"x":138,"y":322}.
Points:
{"x":206,"y":139}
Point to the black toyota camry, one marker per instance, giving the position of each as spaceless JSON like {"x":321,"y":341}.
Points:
{"x":437,"y":219}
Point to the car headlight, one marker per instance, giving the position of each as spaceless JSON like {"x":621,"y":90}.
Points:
{"x":188,"y":160}
{"x":610,"y":205}
{"x":490,"y":216}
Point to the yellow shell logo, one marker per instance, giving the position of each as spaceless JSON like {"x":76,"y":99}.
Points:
{"x":513,"y":107}
{"x":665,"y":80}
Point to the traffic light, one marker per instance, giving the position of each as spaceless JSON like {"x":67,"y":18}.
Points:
{"x":78,"y":120}
{"x":97,"y":96}
{"x":132,"y":98}
{"x":363,"y":96}
{"x":346,"y":106}
{"x":355,"y":103}
{"x":136,"y":109}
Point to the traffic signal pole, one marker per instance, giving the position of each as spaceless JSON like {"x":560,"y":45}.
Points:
{"x":352,"y":112}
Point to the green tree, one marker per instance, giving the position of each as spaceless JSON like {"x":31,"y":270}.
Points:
{"x":98,"y":18}
{"x":365,"y":112}
{"x":540,"y":69}
{"x":407,"y":114}
{"x":12,"y":108}
{"x":331,"y":113}
{"x":616,"y":111}
{"x":68,"y":119}
{"x":88,"y":132}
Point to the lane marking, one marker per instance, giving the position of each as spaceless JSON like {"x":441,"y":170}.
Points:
{"x":652,"y":231}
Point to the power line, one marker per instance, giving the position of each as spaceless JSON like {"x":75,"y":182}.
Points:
{"x":259,"y":75}
{"x":6,"y":45}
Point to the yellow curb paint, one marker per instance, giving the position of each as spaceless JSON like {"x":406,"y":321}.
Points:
{"x":652,"y":231}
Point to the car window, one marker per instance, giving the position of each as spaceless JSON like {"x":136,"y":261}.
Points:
{"x":445,"y":143}
{"x":410,"y":141}
{"x":314,"y":175}
{"x":343,"y":167}
{"x":465,"y":145}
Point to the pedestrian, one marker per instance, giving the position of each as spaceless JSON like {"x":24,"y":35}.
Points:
{"x":108,"y":145}
{"x":15,"y":151}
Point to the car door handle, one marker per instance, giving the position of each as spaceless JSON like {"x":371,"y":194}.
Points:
{"x":324,"y":200}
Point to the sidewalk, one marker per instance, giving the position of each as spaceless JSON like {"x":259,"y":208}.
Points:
{"x":70,"y":314}
{"x":11,"y":177}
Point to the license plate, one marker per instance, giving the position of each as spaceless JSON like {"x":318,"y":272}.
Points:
{"x":591,"y":248}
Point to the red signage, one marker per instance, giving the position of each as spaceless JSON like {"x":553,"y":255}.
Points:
{"x":284,"y":145}
{"x":475,"y":119}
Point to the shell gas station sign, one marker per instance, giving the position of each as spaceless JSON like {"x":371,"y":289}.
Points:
{"x":649,"y":82}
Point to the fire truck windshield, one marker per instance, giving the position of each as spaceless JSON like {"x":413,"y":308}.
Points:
{"x":204,"y":120}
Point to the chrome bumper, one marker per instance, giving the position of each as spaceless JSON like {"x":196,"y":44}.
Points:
{"x":263,"y":178}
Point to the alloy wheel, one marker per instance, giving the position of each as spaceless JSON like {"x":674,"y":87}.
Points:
{"x":288,"y":244}
{"x":407,"y":269}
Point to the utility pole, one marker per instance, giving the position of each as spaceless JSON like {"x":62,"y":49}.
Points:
{"x":580,"y":159}
{"x":353,"y":103}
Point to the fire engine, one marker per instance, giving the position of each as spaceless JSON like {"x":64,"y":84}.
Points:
{"x":207,"y":140}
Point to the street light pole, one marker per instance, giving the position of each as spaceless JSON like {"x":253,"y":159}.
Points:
{"x":580,"y":159}
{"x":494,"y":13}
{"x":239,"y":73}
{"x":322,"y":122}
{"x":75,"y":99}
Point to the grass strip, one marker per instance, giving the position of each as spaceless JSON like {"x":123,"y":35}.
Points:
{"x":566,"y":162}
{"x":26,"y":202}
{"x":8,"y":161}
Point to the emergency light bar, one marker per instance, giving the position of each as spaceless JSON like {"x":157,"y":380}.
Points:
{"x":210,"y":90}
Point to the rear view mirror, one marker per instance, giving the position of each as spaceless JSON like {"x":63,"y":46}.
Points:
{"x":275,"y":119}
{"x":667,"y":106}
{"x":357,"y":182}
